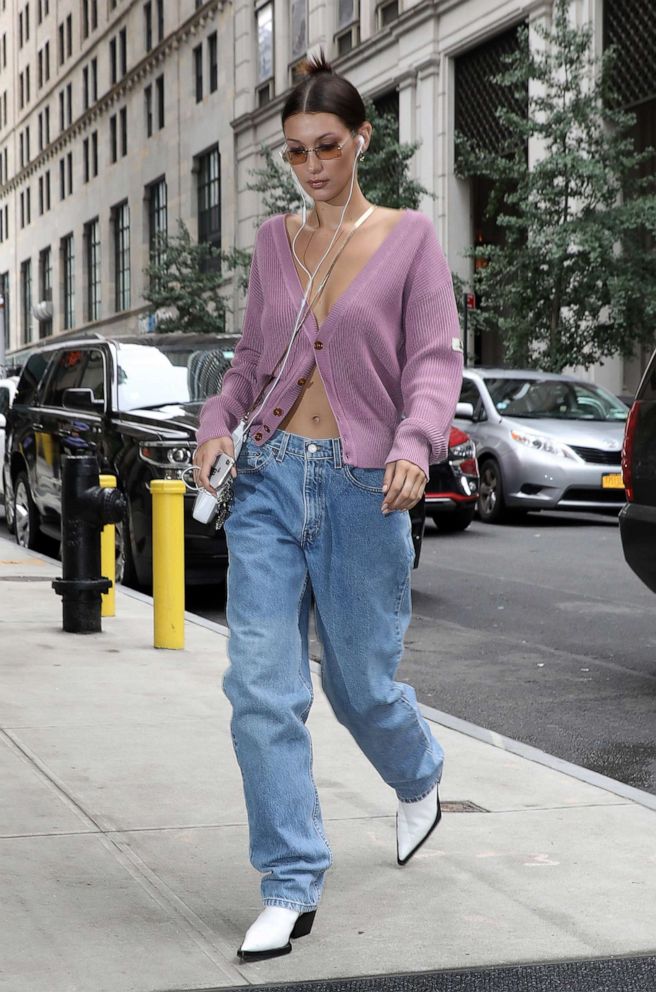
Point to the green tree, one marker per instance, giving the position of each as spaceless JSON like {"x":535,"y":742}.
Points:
{"x":575,"y":279}
{"x":184,"y":280}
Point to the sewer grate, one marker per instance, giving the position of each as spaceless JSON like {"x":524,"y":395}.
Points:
{"x":462,"y":806}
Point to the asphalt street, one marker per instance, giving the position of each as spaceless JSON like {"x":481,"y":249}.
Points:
{"x":538,"y":631}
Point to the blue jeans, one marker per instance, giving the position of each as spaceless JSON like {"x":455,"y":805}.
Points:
{"x":303,"y":520}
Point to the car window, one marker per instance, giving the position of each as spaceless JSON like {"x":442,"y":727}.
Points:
{"x":153,"y":376}
{"x":4,"y":400}
{"x":559,"y":399}
{"x":66,"y":374}
{"x":31,"y":378}
{"x":470,"y":393}
{"x":93,"y":376}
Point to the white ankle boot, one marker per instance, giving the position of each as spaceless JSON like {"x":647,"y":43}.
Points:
{"x":415,"y":823}
{"x":272,"y":931}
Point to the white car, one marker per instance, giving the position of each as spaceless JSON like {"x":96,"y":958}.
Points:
{"x":7,"y":392}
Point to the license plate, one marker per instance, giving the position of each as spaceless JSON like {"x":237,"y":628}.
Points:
{"x":612,"y":480}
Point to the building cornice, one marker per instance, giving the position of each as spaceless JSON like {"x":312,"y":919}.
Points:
{"x":148,"y":65}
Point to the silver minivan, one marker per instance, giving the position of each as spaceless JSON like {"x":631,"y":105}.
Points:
{"x":543,"y":441}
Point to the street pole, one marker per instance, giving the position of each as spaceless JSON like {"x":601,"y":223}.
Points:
{"x":2,"y":335}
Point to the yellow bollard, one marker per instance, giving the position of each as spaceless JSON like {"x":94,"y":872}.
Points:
{"x":168,"y":562}
{"x":108,"y":556}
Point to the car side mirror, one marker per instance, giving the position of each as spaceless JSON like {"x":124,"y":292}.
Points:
{"x":82,"y":399}
{"x":465,"y":411}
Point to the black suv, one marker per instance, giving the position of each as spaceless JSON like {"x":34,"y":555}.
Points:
{"x":134,"y":403}
{"x":638,"y":517}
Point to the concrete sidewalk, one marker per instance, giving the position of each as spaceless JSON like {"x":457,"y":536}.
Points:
{"x":123,"y":841}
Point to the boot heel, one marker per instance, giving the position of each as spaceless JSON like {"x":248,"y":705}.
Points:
{"x":303,"y":925}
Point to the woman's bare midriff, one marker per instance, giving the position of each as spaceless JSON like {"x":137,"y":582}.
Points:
{"x":311,"y":414}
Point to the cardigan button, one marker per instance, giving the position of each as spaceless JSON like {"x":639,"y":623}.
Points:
{"x":301,"y":381}
{"x":277,"y":412}
{"x":258,"y":436}
{"x":318,"y":345}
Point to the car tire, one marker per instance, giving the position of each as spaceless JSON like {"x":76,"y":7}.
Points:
{"x":10,"y":515}
{"x":455,"y":521}
{"x":26,"y":515}
{"x":491,"y":505}
{"x":126,"y":573}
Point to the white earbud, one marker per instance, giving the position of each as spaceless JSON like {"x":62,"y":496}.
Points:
{"x":361,"y":144}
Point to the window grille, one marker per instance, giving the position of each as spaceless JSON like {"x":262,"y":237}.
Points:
{"x":92,"y":233}
{"x":630,"y":25}
{"x":477,"y":97}
{"x":68,"y":255}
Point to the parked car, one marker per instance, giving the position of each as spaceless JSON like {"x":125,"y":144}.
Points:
{"x":7,"y":390}
{"x":452,"y":489}
{"x":638,"y":516}
{"x":135,"y":404}
{"x":543,"y":441}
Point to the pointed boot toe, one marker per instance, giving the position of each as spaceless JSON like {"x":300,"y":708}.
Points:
{"x":415,"y":822}
{"x":271,"y":934}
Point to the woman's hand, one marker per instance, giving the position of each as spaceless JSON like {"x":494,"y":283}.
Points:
{"x":403,"y":485}
{"x":205,"y":456}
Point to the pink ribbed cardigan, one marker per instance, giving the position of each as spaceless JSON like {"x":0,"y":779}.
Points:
{"x":388,"y":352}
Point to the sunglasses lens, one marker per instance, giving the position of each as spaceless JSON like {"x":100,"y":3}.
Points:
{"x":295,"y":157}
{"x":329,"y":151}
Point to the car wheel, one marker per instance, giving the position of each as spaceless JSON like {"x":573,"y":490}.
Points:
{"x":10,"y":516}
{"x":26,"y":515}
{"x":491,"y":505}
{"x":457,"y":520}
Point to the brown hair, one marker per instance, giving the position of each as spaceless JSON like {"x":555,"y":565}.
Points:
{"x":324,"y":91}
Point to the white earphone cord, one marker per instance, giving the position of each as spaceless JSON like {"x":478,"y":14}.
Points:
{"x":298,"y":323}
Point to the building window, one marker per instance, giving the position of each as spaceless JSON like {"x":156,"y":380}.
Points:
{"x":85,"y":161}
{"x":122,"y":256}
{"x":47,"y":189}
{"x":123,"y":114}
{"x":94,"y":153}
{"x":4,"y":292}
{"x":209,"y":198}
{"x":69,"y":104}
{"x":62,"y":52}
{"x":85,"y":87}
{"x":45,"y":288}
{"x":298,"y":26}
{"x":213,"y":60}
{"x":92,"y":244}
{"x":68,"y":269}
{"x":26,"y":300}
{"x":112,"y":61}
{"x":159,"y":83}
{"x":265,"y":53}
{"x":198,"y":72}
{"x":85,"y":19}
{"x":69,"y":164}
{"x":148,"y":25}
{"x":69,"y":36}
{"x":41,"y":196}
{"x":387,"y":12}
{"x":157,"y":219}
{"x":62,"y":178}
{"x":94,"y":14}
{"x":123,"y":48}
{"x":148,"y":107}
{"x":113,"y":146}
{"x":160,"y":20}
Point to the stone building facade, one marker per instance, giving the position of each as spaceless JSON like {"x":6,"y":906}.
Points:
{"x":157,"y":110}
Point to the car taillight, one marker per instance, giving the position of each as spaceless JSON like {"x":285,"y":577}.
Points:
{"x":457,"y":437}
{"x":627,"y":450}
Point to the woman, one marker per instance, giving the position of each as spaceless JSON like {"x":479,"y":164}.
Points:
{"x":337,"y":454}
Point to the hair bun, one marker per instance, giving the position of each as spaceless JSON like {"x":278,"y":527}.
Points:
{"x":314,"y":64}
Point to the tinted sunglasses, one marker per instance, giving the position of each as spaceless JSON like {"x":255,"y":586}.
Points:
{"x":325,"y":151}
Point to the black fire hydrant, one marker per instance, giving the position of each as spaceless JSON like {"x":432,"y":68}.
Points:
{"x":86,"y":508}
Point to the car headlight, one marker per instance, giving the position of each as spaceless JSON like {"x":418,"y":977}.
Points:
{"x":542,"y":442}
{"x":171,"y":457}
